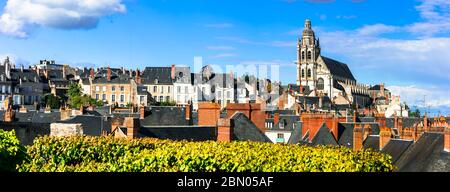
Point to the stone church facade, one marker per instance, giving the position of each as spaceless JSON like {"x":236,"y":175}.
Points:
{"x":326,"y":77}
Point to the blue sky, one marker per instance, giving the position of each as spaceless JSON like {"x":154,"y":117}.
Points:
{"x":403,"y":43}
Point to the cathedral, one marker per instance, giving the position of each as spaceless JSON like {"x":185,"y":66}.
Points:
{"x":320,"y":76}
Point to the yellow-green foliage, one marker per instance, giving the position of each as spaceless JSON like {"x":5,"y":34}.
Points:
{"x":11,"y":152}
{"x":93,"y":154}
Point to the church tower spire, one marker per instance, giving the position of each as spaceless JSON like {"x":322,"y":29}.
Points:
{"x":308,"y":51}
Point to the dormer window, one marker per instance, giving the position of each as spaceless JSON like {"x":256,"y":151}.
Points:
{"x":156,"y":81}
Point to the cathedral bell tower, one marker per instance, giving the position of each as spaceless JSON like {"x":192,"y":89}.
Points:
{"x":308,"y":50}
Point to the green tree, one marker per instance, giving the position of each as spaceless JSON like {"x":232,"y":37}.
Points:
{"x":53,"y":101}
{"x":76,"y":99}
{"x":74,"y":90}
{"x":415,"y":113}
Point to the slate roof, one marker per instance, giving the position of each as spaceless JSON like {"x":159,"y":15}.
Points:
{"x":326,"y":102}
{"x":290,"y":122}
{"x":296,"y":135}
{"x":92,"y":125}
{"x":426,"y":155}
{"x":407,"y":121}
{"x":345,"y":132}
{"x":245,"y":130}
{"x":396,"y":148}
{"x":115,"y":79}
{"x":324,"y":137}
{"x":221,"y":80}
{"x":182,"y":75}
{"x":37,"y":117}
{"x":190,"y":133}
{"x":162,"y":74}
{"x":164,"y":116}
{"x":338,"y":69}
{"x":372,"y":142}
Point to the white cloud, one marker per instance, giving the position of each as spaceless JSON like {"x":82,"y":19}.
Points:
{"x":220,"y":48}
{"x":422,"y":96}
{"x":376,"y":29}
{"x":426,"y":56}
{"x":224,"y":55}
{"x":20,"y":16}
{"x":436,"y":18}
{"x":219,"y":25}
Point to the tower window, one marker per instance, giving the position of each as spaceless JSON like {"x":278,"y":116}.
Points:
{"x":309,"y":55}
{"x":309,"y":73}
{"x":303,"y":73}
{"x":303,"y":55}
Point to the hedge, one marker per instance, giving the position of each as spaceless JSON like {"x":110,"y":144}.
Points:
{"x":11,"y":152}
{"x":104,"y":154}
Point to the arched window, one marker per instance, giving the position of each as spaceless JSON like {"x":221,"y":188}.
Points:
{"x":303,"y":73}
{"x":320,"y":84}
{"x":155,"y":89}
{"x":309,"y":55}
{"x":303,"y":55}
{"x":309,"y":73}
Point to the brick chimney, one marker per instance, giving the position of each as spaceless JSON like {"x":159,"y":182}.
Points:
{"x":91,"y":73}
{"x":138,"y":77}
{"x":65,"y":113}
{"x":172,"y":72}
{"x":358,"y":133}
{"x":142,"y":112}
{"x":232,"y":108}
{"x":108,"y":74}
{"x":132,"y":124}
{"x":224,"y":130}
{"x":425,"y":123}
{"x":385,"y":137}
{"x":382,"y":89}
{"x":188,"y":110}
{"x":23,"y":109}
{"x":258,"y":116}
{"x":447,"y":139}
{"x":334,"y":128}
{"x":208,"y":113}
{"x":9,"y":115}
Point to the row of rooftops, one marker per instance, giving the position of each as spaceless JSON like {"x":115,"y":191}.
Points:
{"x":173,"y":123}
